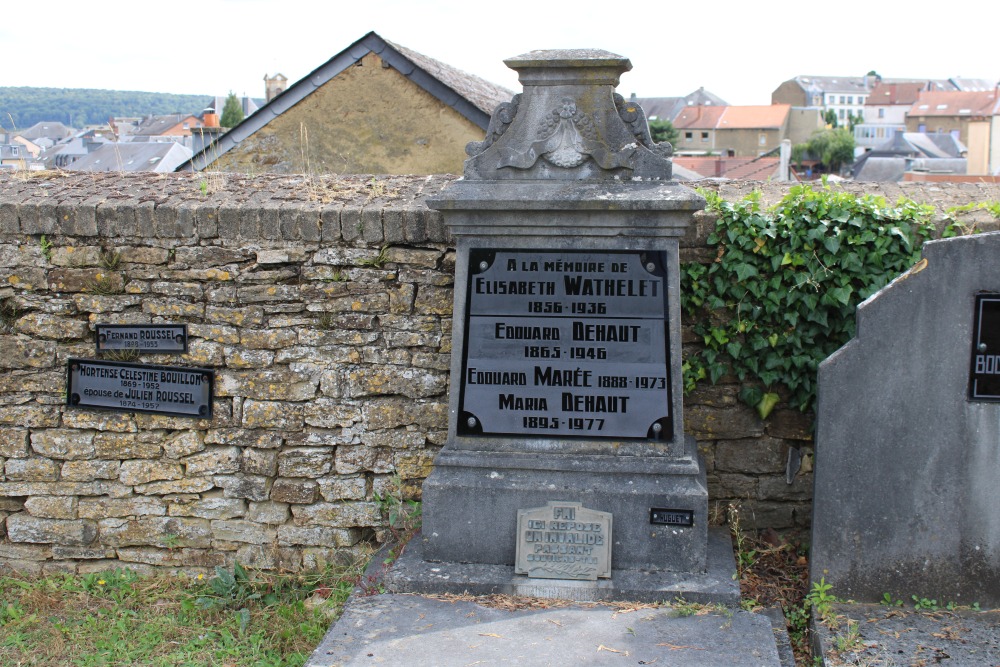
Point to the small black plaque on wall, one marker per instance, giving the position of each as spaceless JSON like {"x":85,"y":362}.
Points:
{"x":665,"y":517}
{"x":127,"y":387}
{"x":984,"y":374}
{"x":148,"y":338}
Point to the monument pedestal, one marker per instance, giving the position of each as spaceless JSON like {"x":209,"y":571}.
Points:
{"x":412,"y":572}
{"x":566,"y":401}
{"x":471,"y":501}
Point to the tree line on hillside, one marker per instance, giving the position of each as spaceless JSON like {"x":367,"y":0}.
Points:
{"x":22,"y":107}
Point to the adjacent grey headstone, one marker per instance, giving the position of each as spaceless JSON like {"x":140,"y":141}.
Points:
{"x":907,"y":481}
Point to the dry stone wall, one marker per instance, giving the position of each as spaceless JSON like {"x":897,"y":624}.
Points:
{"x":324,"y":306}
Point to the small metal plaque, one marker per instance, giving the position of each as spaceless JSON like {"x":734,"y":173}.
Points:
{"x":148,"y":338}
{"x":563,"y":540}
{"x":566,"y":343}
{"x":664,"y":517}
{"x":984,"y":375}
{"x":165,"y":390}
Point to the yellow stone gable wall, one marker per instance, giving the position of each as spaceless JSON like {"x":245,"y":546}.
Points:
{"x":368,"y":119}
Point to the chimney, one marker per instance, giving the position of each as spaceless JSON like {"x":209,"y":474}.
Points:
{"x":209,"y":118}
{"x":785,"y":163}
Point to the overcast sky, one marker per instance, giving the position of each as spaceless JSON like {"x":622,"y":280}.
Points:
{"x":737,"y":49}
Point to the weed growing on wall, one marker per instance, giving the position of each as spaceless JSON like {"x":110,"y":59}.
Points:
{"x":955,"y":226}
{"x":782,"y":292}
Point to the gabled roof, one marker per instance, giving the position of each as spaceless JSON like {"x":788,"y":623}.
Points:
{"x":77,"y":146}
{"x":955,"y":103}
{"x":861,"y":84}
{"x":699,"y":118}
{"x":888,"y":161}
{"x":668,"y":108}
{"x":892,"y":169}
{"x":143,"y":156}
{"x":772,"y":116}
{"x":480,"y":92}
{"x":972,"y":84}
{"x":247,"y":104}
{"x":763,"y":117}
{"x":661,"y":108}
{"x":834,"y":84}
{"x":936,"y":144}
{"x":472,"y":97}
{"x":890,"y":94}
{"x":156,"y":125}
{"x":919,"y":144}
{"x":752,"y":168}
{"x":48,"y":129}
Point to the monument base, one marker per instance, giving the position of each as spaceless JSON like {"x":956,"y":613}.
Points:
{"x":718,"y":584}
{"x":659,"y":505}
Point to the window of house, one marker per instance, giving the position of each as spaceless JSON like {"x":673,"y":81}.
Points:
{"x":842,"y":99}
{"x":922,"y":128}
{"x":841,"y":114}
{"x":833,"y":99}
{"x":762,"y":139}
{"x":850,"y":99}
{"x":688,"y":136}
{"x":704,"y":136}
{"x":881,"y":113}
{"x":13,"y":151}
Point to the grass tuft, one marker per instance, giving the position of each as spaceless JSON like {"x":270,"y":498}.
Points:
{"x":120,"y":618}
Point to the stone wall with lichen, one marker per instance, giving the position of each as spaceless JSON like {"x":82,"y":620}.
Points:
{"x":324,"y":306}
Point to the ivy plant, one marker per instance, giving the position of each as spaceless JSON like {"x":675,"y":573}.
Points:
{"x":781,"y":294}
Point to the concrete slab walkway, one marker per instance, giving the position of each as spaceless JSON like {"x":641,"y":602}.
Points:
{"x":461,"y":631}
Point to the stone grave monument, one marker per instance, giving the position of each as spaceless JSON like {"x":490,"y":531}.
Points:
{"x":907,"y":481}
{"x":567,"y":470}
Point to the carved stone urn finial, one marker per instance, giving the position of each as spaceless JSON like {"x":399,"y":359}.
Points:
{"x":568,"y":124}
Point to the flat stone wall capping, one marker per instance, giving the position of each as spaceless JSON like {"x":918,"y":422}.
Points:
{"x":323,"y":304}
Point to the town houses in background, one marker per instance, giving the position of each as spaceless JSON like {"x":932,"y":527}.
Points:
{"x":380,"y":107}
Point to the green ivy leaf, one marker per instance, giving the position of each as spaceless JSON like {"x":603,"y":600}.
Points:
{"x":751,"y":395}
{"x":766,"y":404}
{"x":744,"y":271}
{"x":842,"y":294}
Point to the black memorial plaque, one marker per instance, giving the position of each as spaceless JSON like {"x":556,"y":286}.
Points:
{"x":570,"y":343}
{"x":984,"y":376}
{"x":126,"y":387}
{"x":148,"y":338}
{"x":659,"y":516}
